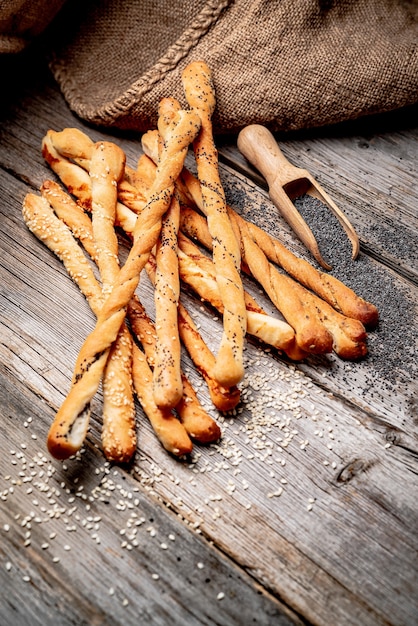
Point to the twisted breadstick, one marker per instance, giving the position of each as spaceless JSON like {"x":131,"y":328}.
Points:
{"x":326,"y":286}
{"x":74,"y":177}
{"x":197,"y":271}
{"x":223,"y":398}
{"x":168,"y":386}
{"x":200,"y":95}
{"x":198,"y":423}
{"x":107,"y":166}
{"x":119,"y":442}
{"x":69,"y":427}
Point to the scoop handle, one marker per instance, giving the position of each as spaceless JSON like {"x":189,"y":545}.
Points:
{"x":260,"y":148}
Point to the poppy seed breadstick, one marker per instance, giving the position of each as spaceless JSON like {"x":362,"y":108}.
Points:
{"x":198,"y":423}
{"x":168,"y":386}
{"x":93,"y":354}
{"x":326,"y":286}
{"x":223,"y":398}
{"x":272,"y":331}
{"x":167,"y":379}
{"x":199,"y":91}
{"x":42,"y":221}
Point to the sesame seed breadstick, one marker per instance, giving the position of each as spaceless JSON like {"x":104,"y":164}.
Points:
{"x":71,"y":214}
{"x":106,"y":170}
{"x":229,"y":370}
{"x":107,"y":166}
{"x":48,"y":228}
{"x":69,"y":426}
{"x":119,"y":443}
{"x":198,"y":423}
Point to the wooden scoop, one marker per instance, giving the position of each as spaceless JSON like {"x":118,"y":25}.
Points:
{"x":286,"y":182}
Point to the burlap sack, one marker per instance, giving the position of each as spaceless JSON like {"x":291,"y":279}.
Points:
{"x":289,"y":64}
{"x":22,"y":21}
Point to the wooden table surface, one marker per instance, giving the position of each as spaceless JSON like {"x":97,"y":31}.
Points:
{"x":305,"y":512}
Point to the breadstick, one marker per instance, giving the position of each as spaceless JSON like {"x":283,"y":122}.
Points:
{"x":168,"y":387}
{"x":223,"y":398}
{"x":120,"y":443}
{"x":198,"y":423}
{"x":200,"y":426}
{"x":106,"y":169}
{"x":51,"y":230}
{"x":73,"y":176}
{"x":169,"y":430}
{"x":200,"y":95}
{"x":69,"y":425}
{"x":326,"y":286}
{"x":272,"y":331}
{"x":71,"y":214}
{"x":107,"y":166}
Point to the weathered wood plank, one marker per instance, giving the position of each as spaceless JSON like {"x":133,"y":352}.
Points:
{"x":312,"y":489}
{"x":86,"y":545}
{"x":344,"y":469}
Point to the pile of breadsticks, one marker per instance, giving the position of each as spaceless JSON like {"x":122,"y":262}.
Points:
{"x":182,"y":232}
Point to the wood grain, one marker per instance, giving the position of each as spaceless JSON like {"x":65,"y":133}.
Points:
{"x":305,"y":511}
